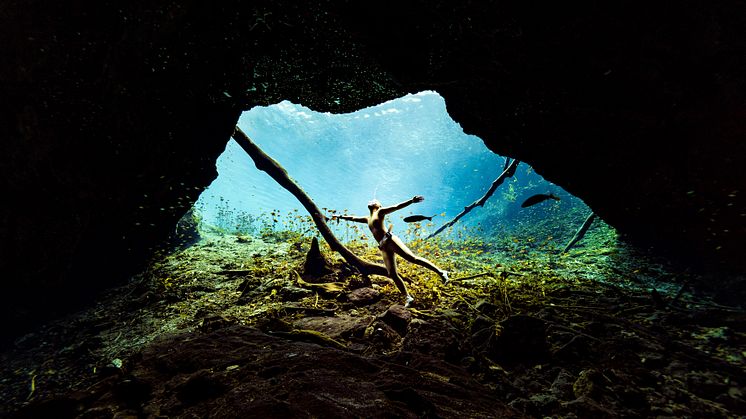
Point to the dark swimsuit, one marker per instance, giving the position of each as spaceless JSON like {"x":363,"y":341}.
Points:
{"x":385,"y":238}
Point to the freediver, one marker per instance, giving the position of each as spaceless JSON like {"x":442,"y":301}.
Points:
{"x":390,"y":245}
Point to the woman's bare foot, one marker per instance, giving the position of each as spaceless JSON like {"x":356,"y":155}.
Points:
{"x":444,"y":276}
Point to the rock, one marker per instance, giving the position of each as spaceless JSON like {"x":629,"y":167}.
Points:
{"x":733,"y":400}
{"x":358,"y":281}
{"x":214,"y":322}
{"x":243,"y":239}
{"x":706,"y":384}
{"x":398,"y":318}
{"x":529,"y":380}
{"x":522,"y":338}
{"x":342,"y":326}
{"x":248,"y":288}
{"x":382,"y":334}
{"x":588,"y":384}
{"x":562,"y":385}
{"x":363,"y":296}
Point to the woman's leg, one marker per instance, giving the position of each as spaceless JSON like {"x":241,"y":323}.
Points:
{"x":389,"y":259}
{"x":409,"y":256}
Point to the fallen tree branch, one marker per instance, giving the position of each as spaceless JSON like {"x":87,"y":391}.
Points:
{"x":324,"y":287}
{"x":473,"y":276}
{"x":508,"y":172}
{"x":265,"y":163}
{"x":581,"y":232}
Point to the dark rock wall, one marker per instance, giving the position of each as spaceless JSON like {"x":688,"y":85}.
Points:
{"x":112,"y":114}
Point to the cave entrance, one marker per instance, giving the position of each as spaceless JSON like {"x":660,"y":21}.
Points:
{"x":392,"y":151}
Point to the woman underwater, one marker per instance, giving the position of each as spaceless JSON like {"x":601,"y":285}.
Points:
{"x":390,"y":245}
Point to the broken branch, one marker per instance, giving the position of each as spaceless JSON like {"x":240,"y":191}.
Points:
{"x":267,"y":164}
{"x":508,"y":172}
{"x":581,"y":232}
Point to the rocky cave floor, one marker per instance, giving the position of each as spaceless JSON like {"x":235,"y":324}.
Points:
{"x":231,"y":327}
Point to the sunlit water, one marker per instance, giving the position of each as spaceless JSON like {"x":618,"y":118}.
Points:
{"x":392,"y":151}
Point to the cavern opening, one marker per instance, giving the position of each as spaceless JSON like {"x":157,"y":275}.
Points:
{"x":250,"y":312}
{"x":111,"y":122}
{"x":392,"y":151}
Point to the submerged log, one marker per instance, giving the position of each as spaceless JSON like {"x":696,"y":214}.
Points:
{"x":509,"y":171}
{"x":265,"y":163}
{"x":581,"y":232}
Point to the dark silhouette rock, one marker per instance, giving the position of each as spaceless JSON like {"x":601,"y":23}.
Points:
{"x":316,"y":264}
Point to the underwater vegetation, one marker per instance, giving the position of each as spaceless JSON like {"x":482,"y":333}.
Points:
{"x":234,"y":326}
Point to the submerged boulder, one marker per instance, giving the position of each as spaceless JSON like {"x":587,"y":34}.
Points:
{"x":364,"y":296}
{"x":398,"y":318}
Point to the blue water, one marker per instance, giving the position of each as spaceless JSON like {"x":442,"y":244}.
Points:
{"x":392,"y":151}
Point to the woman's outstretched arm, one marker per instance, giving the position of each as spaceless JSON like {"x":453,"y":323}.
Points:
{"x":352,"y":218}
{"x":388,"y":210}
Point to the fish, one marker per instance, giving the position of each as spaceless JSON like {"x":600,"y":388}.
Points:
{"x":533,"y":200}
{"x":416,"y":218}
